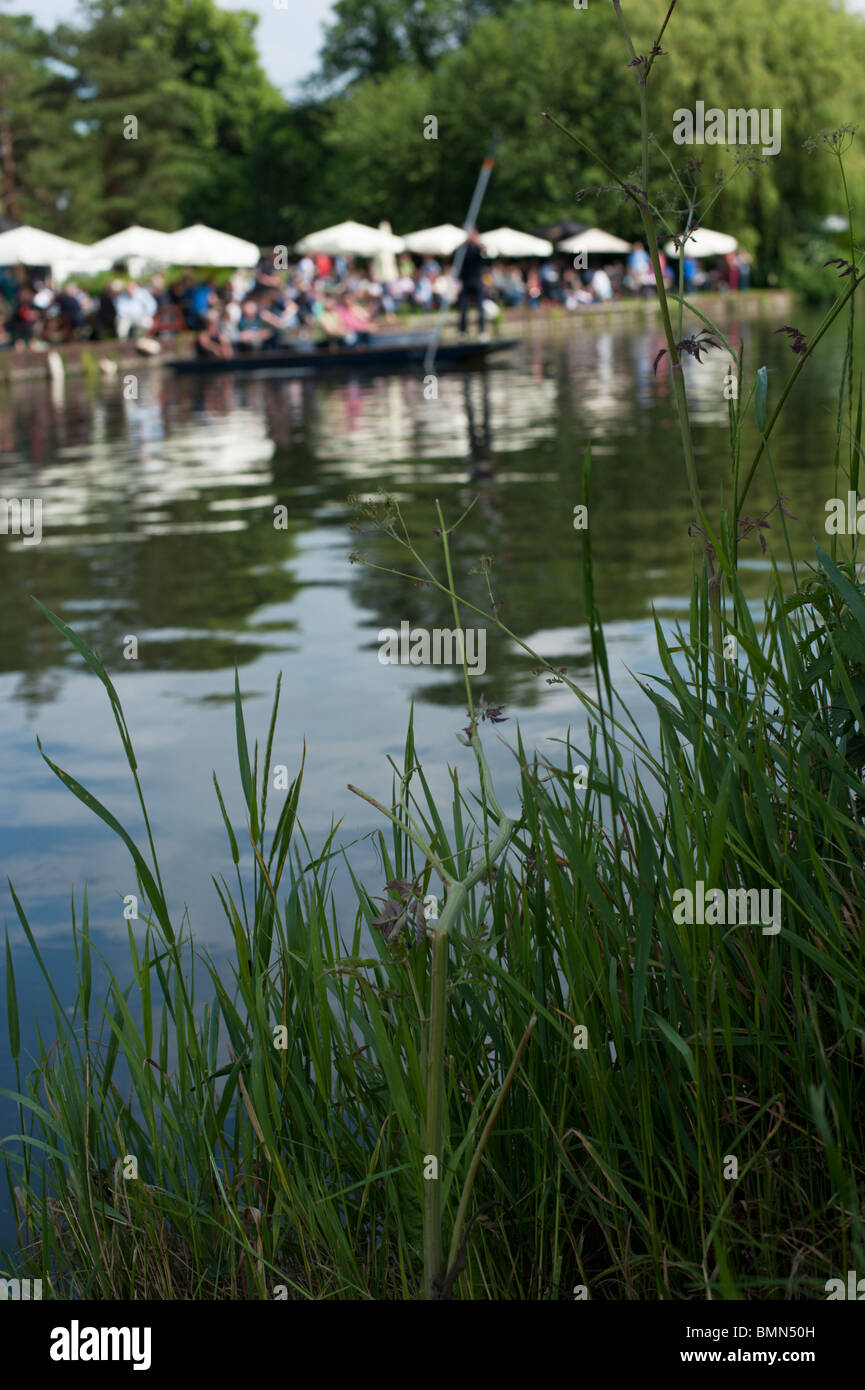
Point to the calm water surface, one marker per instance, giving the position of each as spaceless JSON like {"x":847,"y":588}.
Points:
{"x":158,"y":522}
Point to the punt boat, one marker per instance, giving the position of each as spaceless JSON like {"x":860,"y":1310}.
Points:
{"x":384,"y":355}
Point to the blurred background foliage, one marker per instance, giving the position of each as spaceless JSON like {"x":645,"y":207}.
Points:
{"x":218,"y":141}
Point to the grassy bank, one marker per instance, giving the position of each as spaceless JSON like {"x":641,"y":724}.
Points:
{"x":269,"y":1161}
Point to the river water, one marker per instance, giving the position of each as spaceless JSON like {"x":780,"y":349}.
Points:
{"x":158,"y":523}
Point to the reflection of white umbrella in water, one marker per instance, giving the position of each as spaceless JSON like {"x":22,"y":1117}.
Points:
{"x":704,"y":243}
{"x":605,"y":403}
{"x":706,"y":382}
{"x":384,"y":266}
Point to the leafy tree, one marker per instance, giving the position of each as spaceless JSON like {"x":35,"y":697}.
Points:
{"x":216,"y":54}
{"x":511,"y":69}
{"x":35,"y":145}
{"x":369,"y":38}
{"x":187,"y":73}
{"x":217,"y":141}
{"x":282,"y":187}
{"x":807,"y":61}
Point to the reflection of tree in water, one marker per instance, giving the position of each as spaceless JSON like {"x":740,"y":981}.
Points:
{"x":387,"y":600}
{"x":41,"y":681}
{"x":493,"y":527}
{"x":147,"y":533}
{"x":158,"y":513}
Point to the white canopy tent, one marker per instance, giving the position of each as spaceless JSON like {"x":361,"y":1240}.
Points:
{"x":31,"y":246}
{"x":200,"y":245}
{"x":595,"y":241}
{"x":350,"y":239}
{"x":513,"y":245}
{"x":436,"y":241}
{"x":704,"y":243}
{"x":141,"y":243}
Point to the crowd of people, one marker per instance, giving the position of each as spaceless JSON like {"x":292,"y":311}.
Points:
{"x":324,"y":299}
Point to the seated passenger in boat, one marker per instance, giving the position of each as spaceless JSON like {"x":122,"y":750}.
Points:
{"x":355,"y":321}
{"x":213,"y":339}
{"x":327,"y":323}
{"x":251,"y":333}
{"x":279,"y":312}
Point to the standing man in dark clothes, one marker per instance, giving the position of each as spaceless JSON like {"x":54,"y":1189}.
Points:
{"x":471,"y":280}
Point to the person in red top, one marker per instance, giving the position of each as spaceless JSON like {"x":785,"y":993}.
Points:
{"x":354,"y":320}
{"x":730,"y":272}
{"x":323,"y":265}
{"x":26,"y":320}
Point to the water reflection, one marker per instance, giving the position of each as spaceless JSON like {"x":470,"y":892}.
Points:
{"x":159,"y":506}
{"x":159,"y":516}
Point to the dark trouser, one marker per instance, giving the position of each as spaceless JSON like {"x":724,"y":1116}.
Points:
{"x":467,"y":294}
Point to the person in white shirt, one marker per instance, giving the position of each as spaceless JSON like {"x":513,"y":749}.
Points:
{"x":601,"y":285}
{"x":239,"y":285}
{"x":136,"y":309}
{"x":44,"y":296}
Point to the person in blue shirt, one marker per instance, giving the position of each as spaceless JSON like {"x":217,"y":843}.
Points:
{"x":639,"y":276}
{"x":197,"y":302}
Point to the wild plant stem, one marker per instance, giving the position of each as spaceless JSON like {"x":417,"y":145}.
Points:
{"x":406,"y":828}
{"x":676,"y":369}
{"x":828,"y":320}
{"x":594,"y":155}
{"x":462,"y":1209}
{"x":455,"y":610}
{"x":851,"y":329}
{"x":457,"y":893}
{"x":434,"y":1270}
